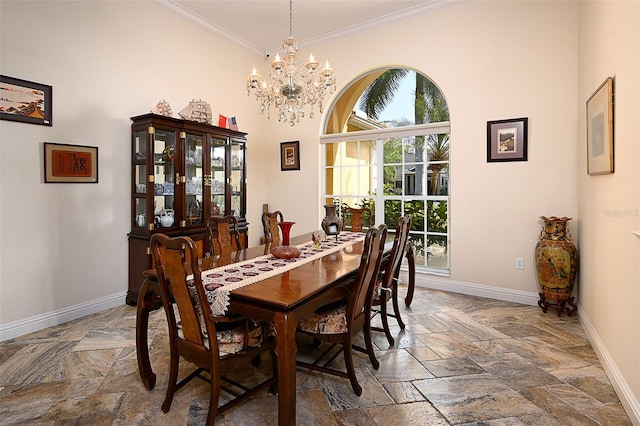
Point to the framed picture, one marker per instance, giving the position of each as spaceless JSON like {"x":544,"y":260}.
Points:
{"x":25,"y":101}
{"x":290,"y":155}
{"x":70,"y":163}
{"x":507,"y":140}
{"x":600,"y":130}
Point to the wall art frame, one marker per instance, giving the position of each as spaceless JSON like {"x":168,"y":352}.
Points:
{"x":507,"y":140}
{"x":290,"y":155}
{"x":600,"y":155}
{"x":25,"y":101}
{"x":64,"y":163}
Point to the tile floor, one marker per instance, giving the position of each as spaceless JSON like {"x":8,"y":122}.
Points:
{"x":462,"y":360}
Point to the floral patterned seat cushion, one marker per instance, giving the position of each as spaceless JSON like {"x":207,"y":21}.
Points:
{"x":331,"y":319}
{"x":230,"y":341}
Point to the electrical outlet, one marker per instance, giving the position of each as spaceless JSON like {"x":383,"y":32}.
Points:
{"x":519,"y":263}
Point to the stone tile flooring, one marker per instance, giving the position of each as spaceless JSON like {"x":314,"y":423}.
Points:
{"x":462,"y":360}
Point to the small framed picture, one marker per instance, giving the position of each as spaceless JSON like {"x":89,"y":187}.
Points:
{"x":507,"y":140}
{"x":25,"y":101}
{"x":290,"y":155}
{"x":600,"y":130}
{"x":70,"y":163}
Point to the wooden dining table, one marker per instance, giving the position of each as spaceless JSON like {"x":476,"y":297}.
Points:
{"x":280,"y":300}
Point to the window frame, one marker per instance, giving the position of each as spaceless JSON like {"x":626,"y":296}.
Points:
{"x":379,"y":136}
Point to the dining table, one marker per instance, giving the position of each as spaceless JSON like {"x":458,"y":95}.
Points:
{"x":280,"y":299}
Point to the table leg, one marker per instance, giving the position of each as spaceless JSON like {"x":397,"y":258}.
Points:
{"x":148,"y":301}
{"x":412,"y":274}
{"x":285,"y":326}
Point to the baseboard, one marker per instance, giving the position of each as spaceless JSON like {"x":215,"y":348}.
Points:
{"x":507,"y":295}
{"x":50,"y":319}
{"x":626,"y":396}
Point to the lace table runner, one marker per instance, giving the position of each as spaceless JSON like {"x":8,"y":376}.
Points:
{"x":221,"y":281}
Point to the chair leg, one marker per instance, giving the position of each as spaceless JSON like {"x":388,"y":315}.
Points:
{"x":213,"y":398}
{"x":173,"y":377}
{"x":348,"y":361}
{"x":367,"y":340}
{"x":412,"y":274}
{"x":394,"y":298}
{"x":385,"y":322}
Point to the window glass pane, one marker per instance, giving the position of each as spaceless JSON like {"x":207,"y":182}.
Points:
{"x":437,"y":253}
{"x":438,"y":179}
{"x":332,"y":180}
{"x":417,"y":240}
{"x":438,"y":147}
{"x":368,"y":152}
{"x":409,"y":149}
{"x":392,"y":180}
{"x":437,"y":216}
{"x":392,"y":152}
{"x":392,"y":211}
{"x":415,"y":208}
{"x":331,"y":150}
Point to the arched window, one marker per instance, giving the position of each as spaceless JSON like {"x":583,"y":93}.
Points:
{"x":386,"y":147}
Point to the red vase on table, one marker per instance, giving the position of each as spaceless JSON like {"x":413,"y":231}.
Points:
{"x":285,"y":251}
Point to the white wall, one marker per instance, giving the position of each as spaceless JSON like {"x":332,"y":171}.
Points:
{"x":609,"y":206}
{"x":108,"y":61}
{"x":66,"y":244}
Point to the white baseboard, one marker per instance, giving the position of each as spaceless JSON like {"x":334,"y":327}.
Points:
{"x":445,"y":284}
{"x":628,"y":400}
{"x":50,"y":319}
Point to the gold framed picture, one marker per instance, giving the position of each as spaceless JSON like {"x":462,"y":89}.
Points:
{"x":600,"y":130}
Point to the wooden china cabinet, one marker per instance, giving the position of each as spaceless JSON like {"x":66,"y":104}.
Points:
{"x":182,"y":172}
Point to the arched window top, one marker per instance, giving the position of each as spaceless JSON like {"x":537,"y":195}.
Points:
{"x":384,"y":98}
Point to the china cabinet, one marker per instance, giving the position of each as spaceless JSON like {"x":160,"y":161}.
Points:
{"x":182,"y":172}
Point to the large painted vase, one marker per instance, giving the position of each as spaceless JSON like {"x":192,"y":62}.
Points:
{"x":556,"y":263}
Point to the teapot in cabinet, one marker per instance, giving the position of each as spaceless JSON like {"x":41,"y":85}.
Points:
{"x":166,"y":217}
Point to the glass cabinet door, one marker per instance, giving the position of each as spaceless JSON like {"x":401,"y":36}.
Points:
{"x":194,"y":179}
{"x":140,"y":178}
{"x":237,"y":178}
{"x":218,"y":176}
{"x":164,"y":175}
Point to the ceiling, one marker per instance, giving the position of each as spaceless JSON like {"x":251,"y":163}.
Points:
{"x":261,"y":25}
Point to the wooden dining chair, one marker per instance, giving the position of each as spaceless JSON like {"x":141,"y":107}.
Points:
{"x":340,"y":322}
{"x":237,"y":345}
{"x":360,"y":218}
{"x":224,"y":235}
{"x":270,"y":226}
{"x":386,"y":287}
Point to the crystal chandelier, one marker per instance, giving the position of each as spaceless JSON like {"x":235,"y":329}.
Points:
{"x":291,"y":88}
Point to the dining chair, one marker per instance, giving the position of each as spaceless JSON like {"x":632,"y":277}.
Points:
{"x":191,"y":323}
{"x":360,"y":218}
{"x":386,"y":287}
{"x":339,"y":322}
{"x":270,"y":226}
{"x":224,"y":236}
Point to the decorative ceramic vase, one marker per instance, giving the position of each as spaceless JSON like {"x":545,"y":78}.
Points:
{"x":556,"y":262}
{"x":331,"y":224}
{"x":285,"y":251}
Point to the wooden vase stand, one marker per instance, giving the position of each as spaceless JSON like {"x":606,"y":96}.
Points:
{"x":560,"y":305}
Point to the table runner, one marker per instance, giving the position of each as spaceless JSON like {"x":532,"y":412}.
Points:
{"x":219,"y":282}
